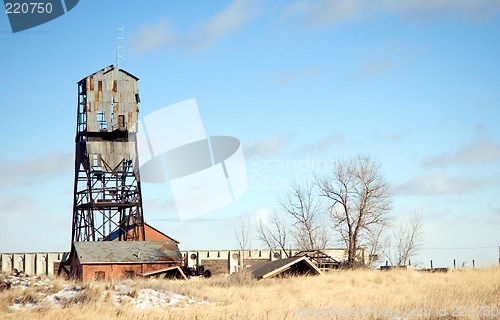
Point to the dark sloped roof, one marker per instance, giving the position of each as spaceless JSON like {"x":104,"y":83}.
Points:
{"x":108,"y":69}
{"x":272,"y":268}
{"x":94,"y":252}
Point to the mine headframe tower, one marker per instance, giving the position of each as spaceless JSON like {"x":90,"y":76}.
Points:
{"x":107,"y":190}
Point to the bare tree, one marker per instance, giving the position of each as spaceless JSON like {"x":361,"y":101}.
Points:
{"x":360,"y":200}
{"x":275,"y":233}
{"x":302,"y":205}
{"x":407,"y":240}
{"x":242,"y":233}
{"x":376,"y":244}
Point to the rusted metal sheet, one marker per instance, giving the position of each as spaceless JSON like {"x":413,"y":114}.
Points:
{"x":112,"y":152}
{"x":111,"y":92}
{"x":99,"y":252}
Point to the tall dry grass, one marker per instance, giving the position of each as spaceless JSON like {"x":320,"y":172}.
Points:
{"x":355,"y":294}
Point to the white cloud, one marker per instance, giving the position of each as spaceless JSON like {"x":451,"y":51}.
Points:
{"x":285,"y":78}
{"x":296,"y":9}
{"x":16,"y":209}
{"x":440,"y":184}
{"x":481,"y":152}
{"x":322,"y":145}
{"x":227,"y":21}
{"x":399,"y":136}
{"x":477,"y":9}
{"x":269,"y":146}
{"x":33,"y":169}
{"x":32,"y":218}
{"x":330,"y":12}
{"x":153,"y":36}
{"x":372,"y":66}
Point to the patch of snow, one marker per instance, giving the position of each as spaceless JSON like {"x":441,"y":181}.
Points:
{"x":66,"y":294}
{"x":123,"y":294}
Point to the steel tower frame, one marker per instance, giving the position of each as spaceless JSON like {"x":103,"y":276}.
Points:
{"x":107,"y":190}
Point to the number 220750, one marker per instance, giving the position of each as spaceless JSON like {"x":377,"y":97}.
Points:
{"x":31,"y":7}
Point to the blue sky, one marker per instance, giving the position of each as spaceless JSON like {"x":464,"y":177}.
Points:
{"x":414,"y":84}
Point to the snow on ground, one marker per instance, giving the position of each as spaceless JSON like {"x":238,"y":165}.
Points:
{"x":122,"y":294}
{"x":146,"y":298}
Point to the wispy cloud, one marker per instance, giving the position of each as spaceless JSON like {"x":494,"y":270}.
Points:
{"x":227,"y":21}
{"x":269,"y":146}
{"x":440,"y":184}
{"x":33,"y":169}
{"x":16,"y":209}
{"x":151,"y":37}
{"x":322,"y":145}
{"x":481,"y":152}
{"x":327,"y":12}
{"x":372,"y":66}
{"x":392,"y":137}
{"x":399,"y":136}
{"x":330,"y":12}
{"x":286,"y":78}
{"x":476,"y":10}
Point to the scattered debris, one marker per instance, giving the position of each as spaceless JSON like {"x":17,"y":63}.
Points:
{"x":323,"y":261}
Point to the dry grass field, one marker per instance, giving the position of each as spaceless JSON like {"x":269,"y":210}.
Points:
{"x":356,"y":294}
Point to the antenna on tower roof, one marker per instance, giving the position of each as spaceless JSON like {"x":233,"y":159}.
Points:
{"x":120,"y":45}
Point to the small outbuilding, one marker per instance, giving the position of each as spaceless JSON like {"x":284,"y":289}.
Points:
{"x":106,"y":260}
{"x":295,"y":266}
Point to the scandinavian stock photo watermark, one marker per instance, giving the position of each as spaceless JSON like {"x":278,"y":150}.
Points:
{"x":205,"y":173}
{"x":459,"y":312}
{"x":279,"y":174}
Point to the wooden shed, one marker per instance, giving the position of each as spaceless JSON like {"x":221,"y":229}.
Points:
{"x":106,"y":260}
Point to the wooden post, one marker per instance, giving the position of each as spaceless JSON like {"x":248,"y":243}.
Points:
{"x":386,"y":263}
{"x":409,"y":263}
{"x":431,"y":265}
{"x":473,"y":264}
{"x":454,"y":264}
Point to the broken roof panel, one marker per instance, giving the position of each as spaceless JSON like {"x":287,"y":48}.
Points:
{"x":165,"y":271}
{"x":98,"y":252}
{"x":296,"y":265}
{"x":320,"y":259}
